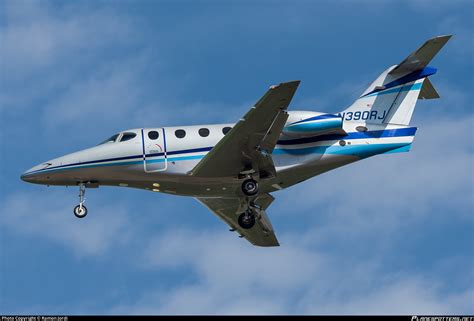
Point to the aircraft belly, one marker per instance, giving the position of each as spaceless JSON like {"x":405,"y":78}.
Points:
{"x":291,"y":175}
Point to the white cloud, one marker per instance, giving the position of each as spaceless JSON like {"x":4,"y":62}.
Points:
{"x":48,"y":215}
{"x":97,"y":65}
{"x":229,"y":277}
{"x":36,"y":37}
{"x":405,"y":295}
{"x":62,"y":62}
{"x":109,"y":92}
{"x":230,"y":272}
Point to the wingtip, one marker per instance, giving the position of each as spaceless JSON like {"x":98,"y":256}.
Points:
{"x":293,"y":82}
{"x":443,"y":38}
{"x":288,"y":83}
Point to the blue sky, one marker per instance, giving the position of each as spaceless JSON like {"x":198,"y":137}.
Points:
{"x":391,"y":234}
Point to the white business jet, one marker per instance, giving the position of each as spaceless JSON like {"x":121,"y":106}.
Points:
{"x":233,"y":168}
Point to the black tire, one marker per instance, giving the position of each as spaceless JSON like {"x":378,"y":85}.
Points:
{"x":246,"y":220}
{"x":80,"y":213}
{"x":250,"y":187}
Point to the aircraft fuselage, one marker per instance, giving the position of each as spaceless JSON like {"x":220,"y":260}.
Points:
{"x":160,"y":159}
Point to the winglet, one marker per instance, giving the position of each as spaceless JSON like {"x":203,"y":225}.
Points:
{"x":420,"y":58}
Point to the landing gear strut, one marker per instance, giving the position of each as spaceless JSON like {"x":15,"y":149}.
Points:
{"x":80,"y":210}
{"x":247,"y":219}
{"x":250,"y":187}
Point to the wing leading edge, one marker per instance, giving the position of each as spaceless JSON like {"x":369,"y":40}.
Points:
{"x":249,"y":144}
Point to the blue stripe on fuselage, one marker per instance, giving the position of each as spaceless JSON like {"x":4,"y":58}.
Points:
{"x":400,"y":132}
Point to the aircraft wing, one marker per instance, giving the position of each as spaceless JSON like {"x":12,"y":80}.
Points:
{"x":229,"y":209}
{"x":249,"y":144}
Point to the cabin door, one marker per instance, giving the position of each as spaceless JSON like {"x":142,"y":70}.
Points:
{"x":154,"y":150}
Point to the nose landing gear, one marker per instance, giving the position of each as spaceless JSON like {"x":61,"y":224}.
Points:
{"x":80,"y":211}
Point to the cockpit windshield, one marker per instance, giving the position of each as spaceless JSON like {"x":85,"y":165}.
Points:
{"x":127,"y":136}
{"x":111,"y":139}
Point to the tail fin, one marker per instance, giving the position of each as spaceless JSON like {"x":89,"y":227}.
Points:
{"x":392,"y":97}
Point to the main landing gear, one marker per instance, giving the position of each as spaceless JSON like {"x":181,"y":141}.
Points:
{"x":247,"y":219}
{"x":80,"y":210}
{"x":250,"y":187}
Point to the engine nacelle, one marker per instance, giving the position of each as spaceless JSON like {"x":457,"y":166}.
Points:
{"x":303,"y":124}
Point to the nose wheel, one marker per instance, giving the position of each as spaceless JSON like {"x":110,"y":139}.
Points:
{"x":80,"y":210}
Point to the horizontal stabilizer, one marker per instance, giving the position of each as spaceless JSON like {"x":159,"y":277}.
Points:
{"x":428,"y":91}
{"x":422,"y":56}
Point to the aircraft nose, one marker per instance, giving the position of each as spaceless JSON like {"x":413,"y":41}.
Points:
{"x":29,"y":176}
{"x":34,"y":174}
{"x":25,"y":177}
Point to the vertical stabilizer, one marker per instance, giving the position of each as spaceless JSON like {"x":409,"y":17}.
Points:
{"x":392,"y":97}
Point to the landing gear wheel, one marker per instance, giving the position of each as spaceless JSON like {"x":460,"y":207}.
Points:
{"x":250,"y":187}
{"x":247,"y":220}
{"x":80,"y":211}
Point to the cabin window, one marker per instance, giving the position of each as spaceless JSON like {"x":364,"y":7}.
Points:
{"x":153,"y":135}
{"x":127,"y":136}
{"x":203,"y":132}
{"x":110,"y":140}
{"x":225,"y":130}
{"x":180,"y":133}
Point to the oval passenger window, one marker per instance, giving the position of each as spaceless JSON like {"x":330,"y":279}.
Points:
{"x":153,"y":134}
{"x":204,"y":132}
{"x":180,"y":133}
{"x":225,"y":130}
